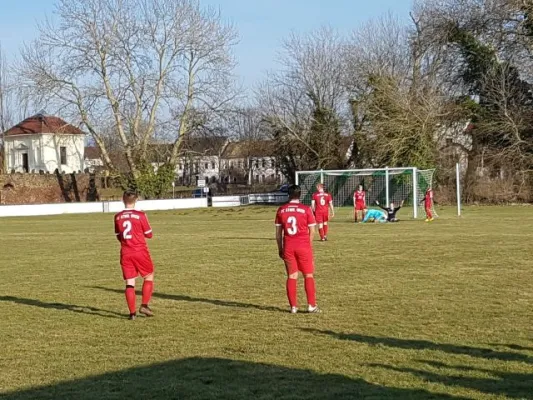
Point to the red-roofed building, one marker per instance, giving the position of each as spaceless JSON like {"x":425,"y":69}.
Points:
{"x":44,"y":143}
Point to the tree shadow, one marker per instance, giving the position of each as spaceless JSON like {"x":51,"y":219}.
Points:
{"x":215,"y":378}
{"x":512,"y":346}
{"x":189,"y":299}
{"x":410,"y":344}
{"x":60,"y":306}
{"x":64,"y":191}
{"x":513,"y":385}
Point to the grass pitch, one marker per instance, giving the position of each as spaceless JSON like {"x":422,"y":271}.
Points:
{"x":411,"y":310}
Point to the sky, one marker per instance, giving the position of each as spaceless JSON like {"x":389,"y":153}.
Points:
{"x":262,"y":24}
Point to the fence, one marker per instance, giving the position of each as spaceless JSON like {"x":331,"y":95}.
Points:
{"x":97,"y":207}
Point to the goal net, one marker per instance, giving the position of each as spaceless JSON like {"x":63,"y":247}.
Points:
{"x":385,"y":185}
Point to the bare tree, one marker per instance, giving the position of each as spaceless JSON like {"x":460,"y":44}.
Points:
{"x":305,"y":103}
{"x":138,"y":63}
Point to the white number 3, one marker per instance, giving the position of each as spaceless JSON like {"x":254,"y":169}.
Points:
{"x":293,"y":229}
{"x":127,"y":229}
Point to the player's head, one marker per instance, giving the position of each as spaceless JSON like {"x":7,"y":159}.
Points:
{"x":360,"y":188}
{"x":320,"y":187}
{"x":392,"y":204}
{"x":294,"y":192}
{"x":129,"y":198}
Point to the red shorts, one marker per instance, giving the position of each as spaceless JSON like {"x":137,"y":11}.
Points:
{"x":135,"y":264}
{"x":360,"y":206}
{"x":322,"y":217}
{"x":299,"y":259}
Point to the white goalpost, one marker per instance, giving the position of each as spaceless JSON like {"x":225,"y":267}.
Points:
{"x":386,"y":185}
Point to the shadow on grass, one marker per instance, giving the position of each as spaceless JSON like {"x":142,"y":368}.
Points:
{"x":214,"y":378}
{"x":189,"y":299}
{"x":513,"y":385}
{"x":411,"y":344}
{"x":246,"y":238}
{"x":60,"y":306}
{"x":512,"y":346}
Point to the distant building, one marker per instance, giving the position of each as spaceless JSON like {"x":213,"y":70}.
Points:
{"x":250,"y":162}
{"x":93,"y":158}
{"x":44,"y":143}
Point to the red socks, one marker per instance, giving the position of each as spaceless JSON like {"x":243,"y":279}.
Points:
{"x":325,"y":230}
{"x":148,"y":288}
{"x":321,"y":232}
{"x":130,"y":298}
{"x":310,"y":291}
{"x":291,"y":292}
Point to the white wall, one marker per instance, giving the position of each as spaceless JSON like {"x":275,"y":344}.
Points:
{"x":44,"y":152}
{"x":98,"y":207}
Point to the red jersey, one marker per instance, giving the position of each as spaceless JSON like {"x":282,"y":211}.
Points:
{"x":296,"y":219}
{"x":322,"y":201}
{"x":131,"y":228}
{"x":428,"y":198}
{"x":359,"y":197}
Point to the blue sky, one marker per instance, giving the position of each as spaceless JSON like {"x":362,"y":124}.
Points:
{"x":262,"y":24}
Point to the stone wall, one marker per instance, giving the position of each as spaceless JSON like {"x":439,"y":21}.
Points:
{"x":48,"y":188}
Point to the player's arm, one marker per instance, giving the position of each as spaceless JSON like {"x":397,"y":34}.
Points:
{"x":279,"y":234}
{"x":147,"y":229}
{"x":117,"y":229}
{"x":313,"y":205}
{"x":279,"y":239}
{"x":311,"y":224}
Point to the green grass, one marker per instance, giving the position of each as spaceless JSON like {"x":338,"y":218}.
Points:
{"x":411,"y":310}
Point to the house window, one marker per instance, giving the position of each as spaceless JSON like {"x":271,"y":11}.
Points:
{"x":212,"y":165}
{"x":206,"y":166}
{"x":231,"y":164}
{"x":263,"y":163}
{"x":63,"y":155}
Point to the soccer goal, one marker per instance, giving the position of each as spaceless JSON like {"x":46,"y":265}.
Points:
{"x":385,"y":185}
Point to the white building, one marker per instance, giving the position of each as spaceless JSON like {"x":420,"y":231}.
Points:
{"x":44,"y":143}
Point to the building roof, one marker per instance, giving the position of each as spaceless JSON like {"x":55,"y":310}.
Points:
{"x":41,"y":124}
{"x":251,"y":148}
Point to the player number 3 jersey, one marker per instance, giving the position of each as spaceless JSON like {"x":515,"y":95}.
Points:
{"x":295,"y":218}
{"x":131,"y":228}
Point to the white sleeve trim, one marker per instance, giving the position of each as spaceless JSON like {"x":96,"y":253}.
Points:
{"x":147,"y":232}
{"x":278,"y":224}
{"x":116,"y":234}
{"x":311,"y":225}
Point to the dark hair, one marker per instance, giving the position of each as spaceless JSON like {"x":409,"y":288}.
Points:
{"x":129,"y":196}
{"x":294,"y":192}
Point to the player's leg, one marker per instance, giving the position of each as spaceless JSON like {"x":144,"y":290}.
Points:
{"x":320,"y":222}
{"x":129,"y":273}
{"x":145,"y":268}
{"x":307,"y":267}
{"x":326,"y":225}
{"x":429,"y":214}
{"x":292,"y":280}
{"x":355,"y":214}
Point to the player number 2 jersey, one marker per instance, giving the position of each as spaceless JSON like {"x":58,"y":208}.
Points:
{"x":295,"y":218}
{"x":132,"y":228}
{"x":322,"y":201}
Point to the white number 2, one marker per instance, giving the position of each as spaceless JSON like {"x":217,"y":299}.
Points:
{"x":322,"y":201}
{"x":293,"y":228}
{"x":127,"y":229}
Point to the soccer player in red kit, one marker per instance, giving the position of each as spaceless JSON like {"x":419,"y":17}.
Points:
{"x":359,"y":202}
{"x":428,"y":204}
{"x":295,"y":226}
{"x":321,"y":204}
{"x":132,"y":229}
